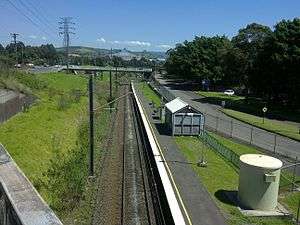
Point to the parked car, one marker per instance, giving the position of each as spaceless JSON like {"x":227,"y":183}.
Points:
{"x":229,"y":92}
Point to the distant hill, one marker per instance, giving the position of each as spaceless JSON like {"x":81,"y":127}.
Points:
{"x":89,"y":51}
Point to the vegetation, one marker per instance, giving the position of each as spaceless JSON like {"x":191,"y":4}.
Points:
{"x":192,"y":147}
{"x":47,"y":54}
{"x":253,"y":62}
{"x":150,"y":94}
{"x":283,"y":128}
{"x":50,"y":141}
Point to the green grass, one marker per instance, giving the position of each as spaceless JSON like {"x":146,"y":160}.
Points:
{"x":28,"y":136}
{"x":278,"y":127}
{"x":34,"y":137}
{"x":224,"y":177}
{"x":220,"y":96}
{"x":149,"y":94}
{"x":238,"y":148}
{"x":290,"y":199}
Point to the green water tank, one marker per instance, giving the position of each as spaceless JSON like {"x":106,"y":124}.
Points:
{"x":259,"y":181}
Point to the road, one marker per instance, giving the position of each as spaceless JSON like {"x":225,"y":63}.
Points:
{"x":43,"y":69}
{"x":217,"y":120}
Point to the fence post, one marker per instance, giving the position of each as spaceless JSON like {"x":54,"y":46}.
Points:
{"x":294,"y":174}
{"x":298,"y":211}
{"x":275,"y":143}
{"x":251,"y":136}
{"x":231,"y":128}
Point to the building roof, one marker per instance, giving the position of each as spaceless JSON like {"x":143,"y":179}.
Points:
{"x":176,"y":105}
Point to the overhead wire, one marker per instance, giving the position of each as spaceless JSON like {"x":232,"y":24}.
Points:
{"x":28,"y":18}
{"x":36,"y":14}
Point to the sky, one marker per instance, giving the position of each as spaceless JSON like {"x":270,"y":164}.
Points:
{"x":136,"y":24}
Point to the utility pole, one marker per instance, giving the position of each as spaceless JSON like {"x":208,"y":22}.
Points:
{"x":110,"y":81}
{"x":66,"y":25}
{"x":14,"y":36}
{"x":91,"y":89}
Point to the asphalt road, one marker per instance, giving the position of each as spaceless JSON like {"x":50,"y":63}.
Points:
{"x":217,"y":120}
{"x":42,"y":69}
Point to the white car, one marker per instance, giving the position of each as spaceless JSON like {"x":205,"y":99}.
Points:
{"x":229,"y":92}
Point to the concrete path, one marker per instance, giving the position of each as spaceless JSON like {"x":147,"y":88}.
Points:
{"x":217,"y":120}
{"x":201,"y":208}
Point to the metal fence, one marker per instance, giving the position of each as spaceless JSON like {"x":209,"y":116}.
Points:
{"x":274,"y":143}
{"x":227,"y":153}
{"x":161,"y":90}
{"x":11,"y":103}
{"x":288,"y":179}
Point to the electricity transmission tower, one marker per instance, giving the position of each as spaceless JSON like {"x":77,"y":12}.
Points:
{"x":65,"y":30}
{"x":14,"y":37}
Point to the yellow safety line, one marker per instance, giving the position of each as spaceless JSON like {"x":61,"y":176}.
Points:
{"x":168,"y":169}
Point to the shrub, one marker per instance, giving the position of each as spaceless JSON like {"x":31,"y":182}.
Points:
{"x":75,"y":95}
{"x":67,"y":173}
{"x":63,"y":102}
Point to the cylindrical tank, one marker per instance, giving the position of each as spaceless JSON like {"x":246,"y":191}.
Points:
{"x":259,"y":181}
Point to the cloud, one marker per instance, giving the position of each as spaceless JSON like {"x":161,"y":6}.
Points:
{"x":101,"y":40}
{"x":132,"y":43}
{"x":139,"y":43}
{"x":115,"y":42}
{"x":32,"y":36}
{"x":164,"y":46}
{"x":44,"y":38}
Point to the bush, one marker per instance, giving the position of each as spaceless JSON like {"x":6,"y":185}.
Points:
{"x":67,"y":173}
{"x":63,"y":102}
{"x":75,"y":95}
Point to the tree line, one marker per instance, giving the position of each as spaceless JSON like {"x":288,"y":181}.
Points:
{"x":258,"y":61}
{"x":47,"y":54}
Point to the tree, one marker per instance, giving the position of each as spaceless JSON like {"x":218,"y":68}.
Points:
{"x":279,"y":64}
{"x":250,"y":40}
{"x":198,"y":59}
{"x":2,"y":49}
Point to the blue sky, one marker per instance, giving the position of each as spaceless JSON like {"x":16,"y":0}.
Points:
{"x":137,"y":24}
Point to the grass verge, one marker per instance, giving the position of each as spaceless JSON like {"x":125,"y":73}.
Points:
{"x":282,"y":128}
{"x":192,"y":147}
{"x":149,"y":94}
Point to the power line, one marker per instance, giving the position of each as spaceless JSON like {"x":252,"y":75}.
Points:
{"x":66,"y":25}
{"x":28,"y":18}
{"x":36,"y":15}
{"x":45,"y":13}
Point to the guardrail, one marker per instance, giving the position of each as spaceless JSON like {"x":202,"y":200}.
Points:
{"x":168,"y":209}
{"x":20,"y":203}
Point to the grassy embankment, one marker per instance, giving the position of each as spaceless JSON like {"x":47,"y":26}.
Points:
{"x":251,"y":112}
{"x":226,"y":178}
{"x":49,"y":142}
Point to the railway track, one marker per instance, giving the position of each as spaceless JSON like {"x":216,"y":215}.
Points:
{"x":123,"y":195}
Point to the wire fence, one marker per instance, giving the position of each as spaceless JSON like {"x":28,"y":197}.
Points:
{"x":288,"y":179}
{"x":227,"y":153}
{"x":272,"y":142}
{"x":11,"y":103}
{"x":276,"y":145}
